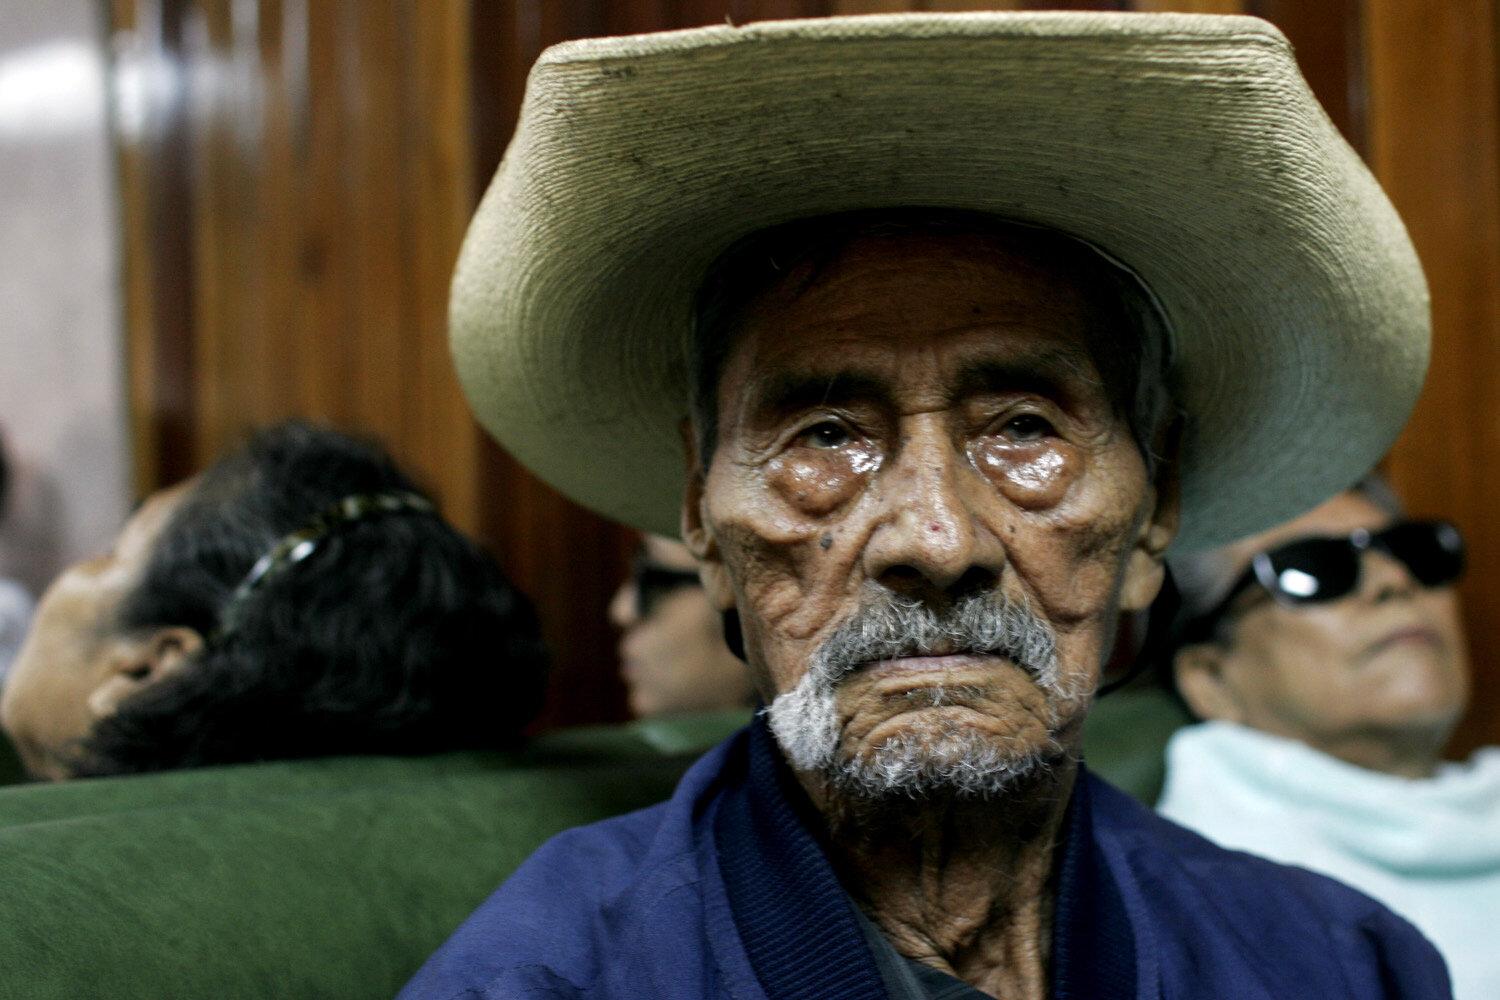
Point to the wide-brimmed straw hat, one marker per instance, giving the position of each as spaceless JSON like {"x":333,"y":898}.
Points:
{"x":1187,"y":147}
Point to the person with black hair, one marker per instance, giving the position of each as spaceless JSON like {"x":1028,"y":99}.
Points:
{"x":300,"y":598}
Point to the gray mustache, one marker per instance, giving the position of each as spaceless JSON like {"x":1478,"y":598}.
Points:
{"x":893,"y":626}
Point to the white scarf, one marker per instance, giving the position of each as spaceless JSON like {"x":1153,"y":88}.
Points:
{"x":1428,"y":848}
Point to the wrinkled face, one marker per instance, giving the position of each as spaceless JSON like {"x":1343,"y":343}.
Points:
{"x":672,"y":657}
{"x":918,"y":440}
{"x":1388,"y":657}
{"x":72,"y":648}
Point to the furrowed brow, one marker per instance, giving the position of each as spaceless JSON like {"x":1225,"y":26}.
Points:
{"x":1052,"y":371}
{"x":792,"y":392}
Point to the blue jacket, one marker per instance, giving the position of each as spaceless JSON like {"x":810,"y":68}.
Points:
{"x":724,"y":892}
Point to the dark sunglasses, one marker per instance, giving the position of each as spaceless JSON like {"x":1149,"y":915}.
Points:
{"x":1317,"y":570}
{"x":653,"y":582}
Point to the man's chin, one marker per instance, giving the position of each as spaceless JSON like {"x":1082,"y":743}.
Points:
{"x":933,"y":753}
{"x":950,"y":748}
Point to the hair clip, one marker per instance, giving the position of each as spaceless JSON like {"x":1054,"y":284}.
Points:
{"x":299,"y":544}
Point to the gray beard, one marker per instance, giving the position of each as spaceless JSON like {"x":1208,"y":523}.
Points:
{"x":919,"y":763}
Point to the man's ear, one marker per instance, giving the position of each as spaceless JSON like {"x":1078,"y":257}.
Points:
{"x":1199,"y":672}
{"x":697,"y":533}
{"x":1145,"y":567}
{"x":137,"y":662}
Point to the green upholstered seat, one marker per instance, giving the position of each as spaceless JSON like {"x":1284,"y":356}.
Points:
{"x":324,"y":878}
{"x":336,"y":878}
{"x":1125,"y":738}
{"x":674,"y":734}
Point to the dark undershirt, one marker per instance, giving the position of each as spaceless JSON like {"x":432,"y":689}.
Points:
{"x":906,"y":978}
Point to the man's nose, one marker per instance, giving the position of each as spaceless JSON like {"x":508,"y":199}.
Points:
{"x":931,"y":533}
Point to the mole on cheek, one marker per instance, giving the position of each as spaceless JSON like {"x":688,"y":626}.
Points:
{"x":814,"y":488}
{"x":1027,"y":477}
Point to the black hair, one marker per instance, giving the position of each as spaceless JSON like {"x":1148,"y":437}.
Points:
{"x":1133,"y":355}
{"x":395,"y":635}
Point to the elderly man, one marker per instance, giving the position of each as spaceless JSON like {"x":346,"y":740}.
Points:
{"x":932,"y":456}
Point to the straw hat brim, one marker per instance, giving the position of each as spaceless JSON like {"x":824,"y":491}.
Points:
{"x":1187,"y":147}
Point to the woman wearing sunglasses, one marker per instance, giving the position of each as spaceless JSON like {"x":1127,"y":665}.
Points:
{"x":1327,"y":660}
{"x":672,"y":654}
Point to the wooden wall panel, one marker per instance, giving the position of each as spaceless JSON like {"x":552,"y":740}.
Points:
{"x":1191,"y":6}
{"x":567,"y":559}
{"x":321,"y":201}
{"x":895,"y":6}
{"x":1329,"y":45}
{"x":1434,"y":112}
{"x":292,"y":219}
{"x":156,"y":219}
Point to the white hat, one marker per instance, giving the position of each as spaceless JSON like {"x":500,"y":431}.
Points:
{"x":1187,"y":147}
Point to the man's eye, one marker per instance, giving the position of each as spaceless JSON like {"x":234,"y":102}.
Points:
{"x":825,"y":435}
{"x":1027,"y":427}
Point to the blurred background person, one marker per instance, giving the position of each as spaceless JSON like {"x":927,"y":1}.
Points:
{"x":1328,"y":660}
{"x":15,"y":601}
{"x":673,"y":657}
{"x":300,"y":598}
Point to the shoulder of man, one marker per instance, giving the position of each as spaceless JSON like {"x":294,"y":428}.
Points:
{"x":604,"y":908}
{"x":1219,"y":917}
